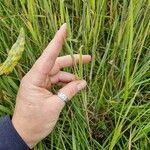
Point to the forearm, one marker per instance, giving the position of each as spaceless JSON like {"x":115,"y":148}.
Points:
{"x":9,"y":138}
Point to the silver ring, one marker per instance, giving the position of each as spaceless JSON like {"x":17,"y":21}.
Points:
{"x":62,"y":96}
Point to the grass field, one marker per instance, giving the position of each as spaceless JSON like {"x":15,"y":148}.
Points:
{"x":113,"y":112}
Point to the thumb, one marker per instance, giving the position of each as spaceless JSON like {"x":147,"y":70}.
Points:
{"x":73,"y":88}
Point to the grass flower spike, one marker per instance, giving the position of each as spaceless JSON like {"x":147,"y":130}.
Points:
{"x":14,"y":54}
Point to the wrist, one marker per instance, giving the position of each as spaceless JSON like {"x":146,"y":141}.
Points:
{"x":23,"y":134}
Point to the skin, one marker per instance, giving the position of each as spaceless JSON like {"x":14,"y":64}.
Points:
{"x":37,"y":109}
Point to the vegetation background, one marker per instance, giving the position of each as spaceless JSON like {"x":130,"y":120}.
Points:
{"x":113,"y":113}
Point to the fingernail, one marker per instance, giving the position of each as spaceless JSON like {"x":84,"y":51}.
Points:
{"x":81,"y":85}
{"x":90,"y":57}
{"x":64,"y":26}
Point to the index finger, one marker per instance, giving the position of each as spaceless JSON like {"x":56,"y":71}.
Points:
{"x":46,"y":61}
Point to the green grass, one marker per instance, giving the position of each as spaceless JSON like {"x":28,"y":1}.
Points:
{"x":113,"y":113}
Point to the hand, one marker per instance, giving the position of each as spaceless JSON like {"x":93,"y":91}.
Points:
{"x":37,"y":109}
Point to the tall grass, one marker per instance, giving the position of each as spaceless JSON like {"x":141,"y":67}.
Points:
{"x":114,"y":111}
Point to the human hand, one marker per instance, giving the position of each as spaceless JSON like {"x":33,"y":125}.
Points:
{"x":37,"y":109}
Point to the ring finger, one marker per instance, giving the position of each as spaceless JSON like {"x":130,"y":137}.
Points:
{"x":63,"y":77}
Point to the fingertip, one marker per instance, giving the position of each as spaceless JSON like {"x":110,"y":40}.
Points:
{"x":63,"y":28}
{"x":89,"y":57}
{"x":81,"y":85}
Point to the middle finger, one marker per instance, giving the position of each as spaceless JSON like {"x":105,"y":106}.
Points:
{"x":67,"y":61}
